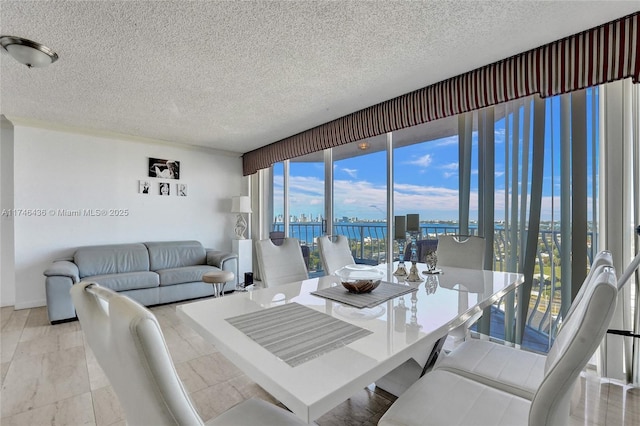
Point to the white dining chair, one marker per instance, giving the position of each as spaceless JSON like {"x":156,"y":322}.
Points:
{"x":603,"y":258}
{"x":334,"y":253}
{"x":461,"y":251}
{"x":454,"y":251}
{"x":443,"y":396}
{"x":514,"y":370}
{"x":280,"y":264}
{"x":129,"y":345}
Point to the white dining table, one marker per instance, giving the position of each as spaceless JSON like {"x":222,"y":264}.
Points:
{"x":399,"y":329}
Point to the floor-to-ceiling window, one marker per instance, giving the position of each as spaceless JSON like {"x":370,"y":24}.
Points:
{"x":425,"y":170}
{"x":279,"y":213}
{"x":360,"y":198}
{"x":426,"y":180}
{"x":298,"y":203}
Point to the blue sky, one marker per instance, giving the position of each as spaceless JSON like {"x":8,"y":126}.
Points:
{"x":426,"y":179}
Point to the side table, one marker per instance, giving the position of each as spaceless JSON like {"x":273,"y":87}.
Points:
{"x":218,"y":279}
{"x":244,"y":250}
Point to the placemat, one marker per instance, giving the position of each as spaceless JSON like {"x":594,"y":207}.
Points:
{"x":295,"y":333}
{"x":382,"y":293}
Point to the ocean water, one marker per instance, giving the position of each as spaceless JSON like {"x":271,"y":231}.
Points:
{"x":307,"y":232}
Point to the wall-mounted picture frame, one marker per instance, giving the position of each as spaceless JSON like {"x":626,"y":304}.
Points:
{"x":144,"y":187}
{"x":181,"y":189}
{"x":165,"y":169}
{"x":165,"y":188}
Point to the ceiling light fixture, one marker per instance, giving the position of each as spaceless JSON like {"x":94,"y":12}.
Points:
{"x":364,"y":145}
{"x":27,"y":52}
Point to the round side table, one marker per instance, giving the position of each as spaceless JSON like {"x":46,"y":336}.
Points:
{"x":218,"y":279}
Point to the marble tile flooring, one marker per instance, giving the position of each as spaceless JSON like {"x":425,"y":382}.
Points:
{"x":50,"y":377}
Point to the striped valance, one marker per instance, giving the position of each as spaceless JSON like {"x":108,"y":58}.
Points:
{"x":596,"y":56}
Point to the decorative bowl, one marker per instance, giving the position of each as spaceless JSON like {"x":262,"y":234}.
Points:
{"x":359,"y":278}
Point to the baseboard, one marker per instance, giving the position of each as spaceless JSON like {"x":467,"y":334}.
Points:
{"x":30,"y":304}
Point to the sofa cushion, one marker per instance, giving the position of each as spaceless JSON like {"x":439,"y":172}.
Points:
{"x":111,"y":259}
{"x":186,"y":274}
{"x":127,"y":280}
{"x":175,"y":254}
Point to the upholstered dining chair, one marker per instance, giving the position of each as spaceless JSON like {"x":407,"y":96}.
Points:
{"x":280,"y":264}
{"x":461,"y":251}
{"x":129,"y":345}
{"x":454,"y":251}
{"x":603,"y":258}
{"x":517,"y":371}
{"x":278,"y":238}
{"x":429,"y":401}
{"x":423,"y":247}
{"x":334,"y":252}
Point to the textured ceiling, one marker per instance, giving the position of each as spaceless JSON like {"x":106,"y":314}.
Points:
{"x":238,"y":75}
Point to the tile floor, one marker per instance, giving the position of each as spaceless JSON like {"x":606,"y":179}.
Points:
{"x":50,"y":377}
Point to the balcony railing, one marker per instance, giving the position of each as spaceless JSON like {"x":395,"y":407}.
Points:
{"x":368,"y":244}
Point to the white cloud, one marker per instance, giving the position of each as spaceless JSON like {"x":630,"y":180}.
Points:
{"x":351,"y":172}
{"x":360,"y":198}
{"x":451,"y":140}
{"x":423,"y":161}
{"x":305,"y":191}
{"x":453,"y":167}
{"x":409,"y":197}
{"x":306,"y":184}
{"x":355,"y":198}
{"x":450,"y":166}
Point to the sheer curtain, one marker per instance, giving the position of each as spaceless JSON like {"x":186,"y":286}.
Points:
{"x":532,"y":166}
{"x":524,"y":149}
{"x":522,"y":155}
{"x":620,"y":213}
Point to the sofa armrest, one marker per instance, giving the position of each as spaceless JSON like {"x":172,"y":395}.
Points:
{"x":218,"y":258}
{"x":63,"y":268}
{"x":227,"y":262}
{"x":61,"y":276}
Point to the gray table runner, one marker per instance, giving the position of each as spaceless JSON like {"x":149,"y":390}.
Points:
{"x":295,"y":333}
{"x":382,"y":293}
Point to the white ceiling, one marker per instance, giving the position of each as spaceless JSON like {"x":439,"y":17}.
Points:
{"x":235,"y":76}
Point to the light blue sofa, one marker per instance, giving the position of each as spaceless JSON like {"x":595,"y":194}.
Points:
{"x":151,"y":273}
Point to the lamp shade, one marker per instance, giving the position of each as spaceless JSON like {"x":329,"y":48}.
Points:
{"x":241,"y":204}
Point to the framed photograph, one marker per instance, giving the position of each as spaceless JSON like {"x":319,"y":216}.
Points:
{"x":165,"y":188}
{"x":181,"y":189}
{"x":144,"y":186}
{"x":165,"y":169}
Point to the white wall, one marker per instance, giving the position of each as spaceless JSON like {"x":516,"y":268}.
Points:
{"x":57,"y":170}
{"x":7,"y":271}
